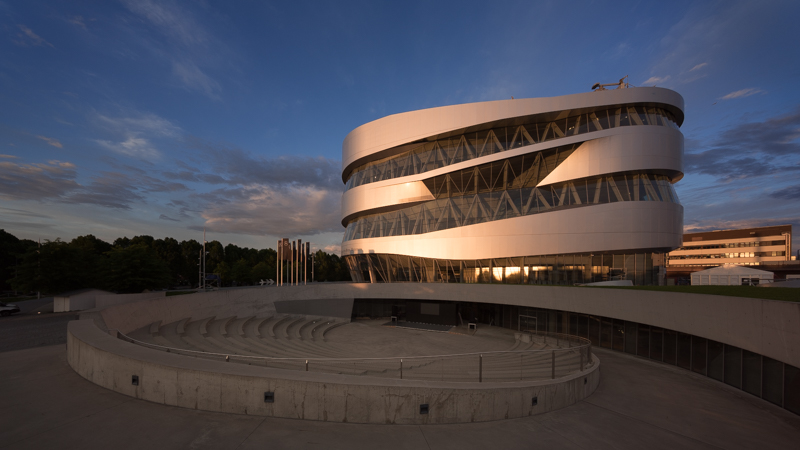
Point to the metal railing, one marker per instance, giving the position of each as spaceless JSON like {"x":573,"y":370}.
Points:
{"x":568,"y":354}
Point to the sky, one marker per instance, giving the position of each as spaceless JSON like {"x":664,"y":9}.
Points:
{"x":164,"y":118}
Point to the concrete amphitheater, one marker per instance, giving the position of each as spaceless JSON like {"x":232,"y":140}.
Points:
{"x":228,"y":351}
{"x":84,"y":397}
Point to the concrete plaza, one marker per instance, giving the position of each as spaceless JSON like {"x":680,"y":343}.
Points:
{"x":639,"y":404}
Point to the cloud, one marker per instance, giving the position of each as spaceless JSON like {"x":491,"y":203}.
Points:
{"x":77,"y":20}
{"x":133,"y":146}
{"x":750,"y":149}
{"x":742,"y":93}
{"x":187,"y":46}
{"x":656,"y":80}
{"x":705,"y":225}
{"x":28,"y":37}
{"x":698,"y":67}
{"x":9,"y":156}
{"x":789,"y":193}
{"x":51,"y":141}
{"x":37,"y":181}
{"x":263,"y":210}
{"x":168,"y":218}
{"x":142,"y":123}
{"x":170,"y":19}
{"x":194,"y":78}
{"x":24,"y":213}
{"x":135,"y":134}
{"x":109,"y":190}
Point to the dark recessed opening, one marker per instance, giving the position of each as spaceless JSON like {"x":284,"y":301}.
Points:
{"x":534,"y":401}
{"x":423,"y":408}
{"x":584,"y":381}
{"x":135,"y":380}
{"x":269,"y":397}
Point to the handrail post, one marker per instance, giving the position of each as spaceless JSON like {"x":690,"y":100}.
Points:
{"x":401,"y":368}
{"x":554,"y":364}
{"x":306,"y":365}
{"x":480,"y":368}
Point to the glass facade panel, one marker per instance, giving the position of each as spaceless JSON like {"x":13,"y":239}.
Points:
{"x":555,"y":269}
{"x":619,"y":335}
{"x":606,"y":333}
{"x":643,"y":341}
{"x":656,"y":343}
{"x":630,"y":337}
{"x":412,"y":159}
{"x":594,"y":330}
{"x":684,"y":351}
{"x":715,"y":360}
{"x":751,"y":373}
{"x":733,"y":366}
{"x":791,"y":386}
{"x":699,"y":355}
{"x":772,"y":380}
{"x":670,"y":347}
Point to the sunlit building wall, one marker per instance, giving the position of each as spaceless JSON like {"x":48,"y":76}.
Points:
{"x":559,"y":190}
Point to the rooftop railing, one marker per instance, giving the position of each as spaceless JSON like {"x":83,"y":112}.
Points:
{"x":560,"y":356}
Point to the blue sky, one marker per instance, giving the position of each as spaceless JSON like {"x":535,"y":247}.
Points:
{"x":121,"y":118}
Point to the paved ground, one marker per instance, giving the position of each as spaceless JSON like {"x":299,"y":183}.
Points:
{"x":639,"y":404}
{"x":27,"y":330}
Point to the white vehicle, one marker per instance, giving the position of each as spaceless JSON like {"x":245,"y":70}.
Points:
{"x":6,"y":309}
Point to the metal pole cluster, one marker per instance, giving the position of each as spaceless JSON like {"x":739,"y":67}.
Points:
{"x":294,"y":256}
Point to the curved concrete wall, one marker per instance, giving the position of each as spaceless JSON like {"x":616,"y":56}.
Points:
{"x":208,"y":385}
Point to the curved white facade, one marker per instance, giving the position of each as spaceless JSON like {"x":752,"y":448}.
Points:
{"x":556,"y":190}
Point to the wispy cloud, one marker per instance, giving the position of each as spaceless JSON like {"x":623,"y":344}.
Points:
{"x":750,"y":149}
{"x":698,"y":67}
{"x":51,"y":141}
{"x":194,"y":78}
{"x":655,"y":80}
{"x":190,"y":49}
{"x":38,"y":181}
{"x":27,"y":38}
{"x":135,"y":147}
{"x":742,"y":93}
{"x":77,"y":20}
{"x":135,"y":134}
{"x":9,"y":156}
{"x":167,"y":218}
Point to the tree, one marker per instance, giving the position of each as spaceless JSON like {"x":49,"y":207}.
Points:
{"x":135,"y":268}
{"x":262,"y":271}
{"x":241,"y":272}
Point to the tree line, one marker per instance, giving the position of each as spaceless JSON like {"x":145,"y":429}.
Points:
{"x":139,"y":263}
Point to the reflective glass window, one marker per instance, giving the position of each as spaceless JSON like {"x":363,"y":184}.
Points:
{"x":772,"y":380}
{"x":715,"y":360}
{"x":699,"y":355}
{"x":733,"y":366}
{"x":670,"y":347}
{"x":751,"y":373}
{"x":606,"y":333}
{"x":791,"y":384}
{"x":630,"y":337}
{"x":656,"y":343}
{"x":684,"y":351}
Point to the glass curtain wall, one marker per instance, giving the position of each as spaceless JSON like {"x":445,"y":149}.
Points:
{"x":640,"y":268}
{"x":423,"y":157}
{"x":508,"y":202}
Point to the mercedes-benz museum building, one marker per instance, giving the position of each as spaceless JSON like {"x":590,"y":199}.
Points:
{"x":560,"y":190}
